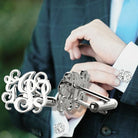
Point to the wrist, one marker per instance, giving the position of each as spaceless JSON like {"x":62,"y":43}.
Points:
{"x":119,"y":50}
{"x":68,"y":116}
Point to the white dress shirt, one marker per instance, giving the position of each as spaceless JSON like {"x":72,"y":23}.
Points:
{"x":128,"y":60}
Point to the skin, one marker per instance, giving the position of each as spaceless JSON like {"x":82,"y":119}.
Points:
{"x":105,"y":47}
{"x":100,"y":74}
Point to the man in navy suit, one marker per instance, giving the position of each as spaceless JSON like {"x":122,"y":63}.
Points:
{"x":46,"y":53}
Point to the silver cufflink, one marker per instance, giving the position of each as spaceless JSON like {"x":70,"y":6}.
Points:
{"x":59,"y":128}
{"x":30,"y":92}
{"x":124,"y":76}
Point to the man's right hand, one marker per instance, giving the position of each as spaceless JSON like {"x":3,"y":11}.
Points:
{"x":102,"y":78}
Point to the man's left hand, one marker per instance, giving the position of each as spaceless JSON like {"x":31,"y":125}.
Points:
{"x":105,"y":45}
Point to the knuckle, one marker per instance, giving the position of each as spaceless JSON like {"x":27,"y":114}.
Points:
{"x":96,"y":21}
{"x":72,"y":32}
{"x":92,"y":65}
{"x":101,"y":90}
{"x":106,"y":94}
{"x":68,"y":39}
{"x":78,"y":29}
{"x":75,"y":67}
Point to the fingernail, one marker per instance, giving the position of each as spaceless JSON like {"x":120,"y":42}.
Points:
{"x":117,"y":81}
{"x":77,"y":55}
{"x":66,"y":49}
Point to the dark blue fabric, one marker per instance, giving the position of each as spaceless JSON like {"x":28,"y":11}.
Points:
{"x":46,"y":53}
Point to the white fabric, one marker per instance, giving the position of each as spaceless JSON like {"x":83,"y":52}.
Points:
{"x":126,"y":61}
{"x":72,"y":125}
{"x":57,"y":117}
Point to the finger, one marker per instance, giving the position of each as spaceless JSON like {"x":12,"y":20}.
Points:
{"x":98,"y":76}
{"x":77,"y":113}
{"x":103,"y":77}
{"x":106,"y":87}
{"x":76,"y":52}
{"x":95,"y":66}
{"x":74,"y":37}
{"x":97,"y":89}
{"x":71,"y":55}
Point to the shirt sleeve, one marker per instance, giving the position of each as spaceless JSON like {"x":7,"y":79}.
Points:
{"x":60,"y":126}
{"x":127,"y":62}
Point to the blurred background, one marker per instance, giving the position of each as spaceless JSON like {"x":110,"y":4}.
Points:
{"x":17,"y":20}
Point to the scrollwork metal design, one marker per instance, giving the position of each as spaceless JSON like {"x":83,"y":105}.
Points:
{"x":30,"y":92}
{"x":68,"y":94}
{"x":27,"y":92}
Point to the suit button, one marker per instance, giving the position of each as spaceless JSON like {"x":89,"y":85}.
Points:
{"x":106,"y":131}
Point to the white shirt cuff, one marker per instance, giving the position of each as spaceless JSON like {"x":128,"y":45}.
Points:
{"x":127,"y":61}
{"x":72,"y":125}
{"x":60,"y":126}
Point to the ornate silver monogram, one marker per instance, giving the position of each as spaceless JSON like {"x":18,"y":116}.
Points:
{"x":125,"y":76}
{"x":27,"y":92}
{"x":59,"y":128}
{"x":69,"y":95}
{"x":30,"y":92}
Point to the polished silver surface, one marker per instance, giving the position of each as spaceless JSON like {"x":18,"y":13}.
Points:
{"x":59,"y":128}
{"x":68,"y":94}
{"x":30,"y":92}
{"x":27,"y":92}
{"x":125,"y":76}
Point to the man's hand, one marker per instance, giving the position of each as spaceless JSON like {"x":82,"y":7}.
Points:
{"x":105,"y":46}
{"x":102,"y":78}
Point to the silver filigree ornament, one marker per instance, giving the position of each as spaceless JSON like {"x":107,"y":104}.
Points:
{"x":27,"y":92}
{"x":124,"y":76}
{"x":59,"y":128}
{"x":30,"y":92}
{"x":68,"y":94}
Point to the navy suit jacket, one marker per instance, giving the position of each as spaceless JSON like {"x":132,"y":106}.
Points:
{"x":46,"y":53}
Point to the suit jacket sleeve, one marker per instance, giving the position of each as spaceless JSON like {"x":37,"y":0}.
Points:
{"x":38,"y":58}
